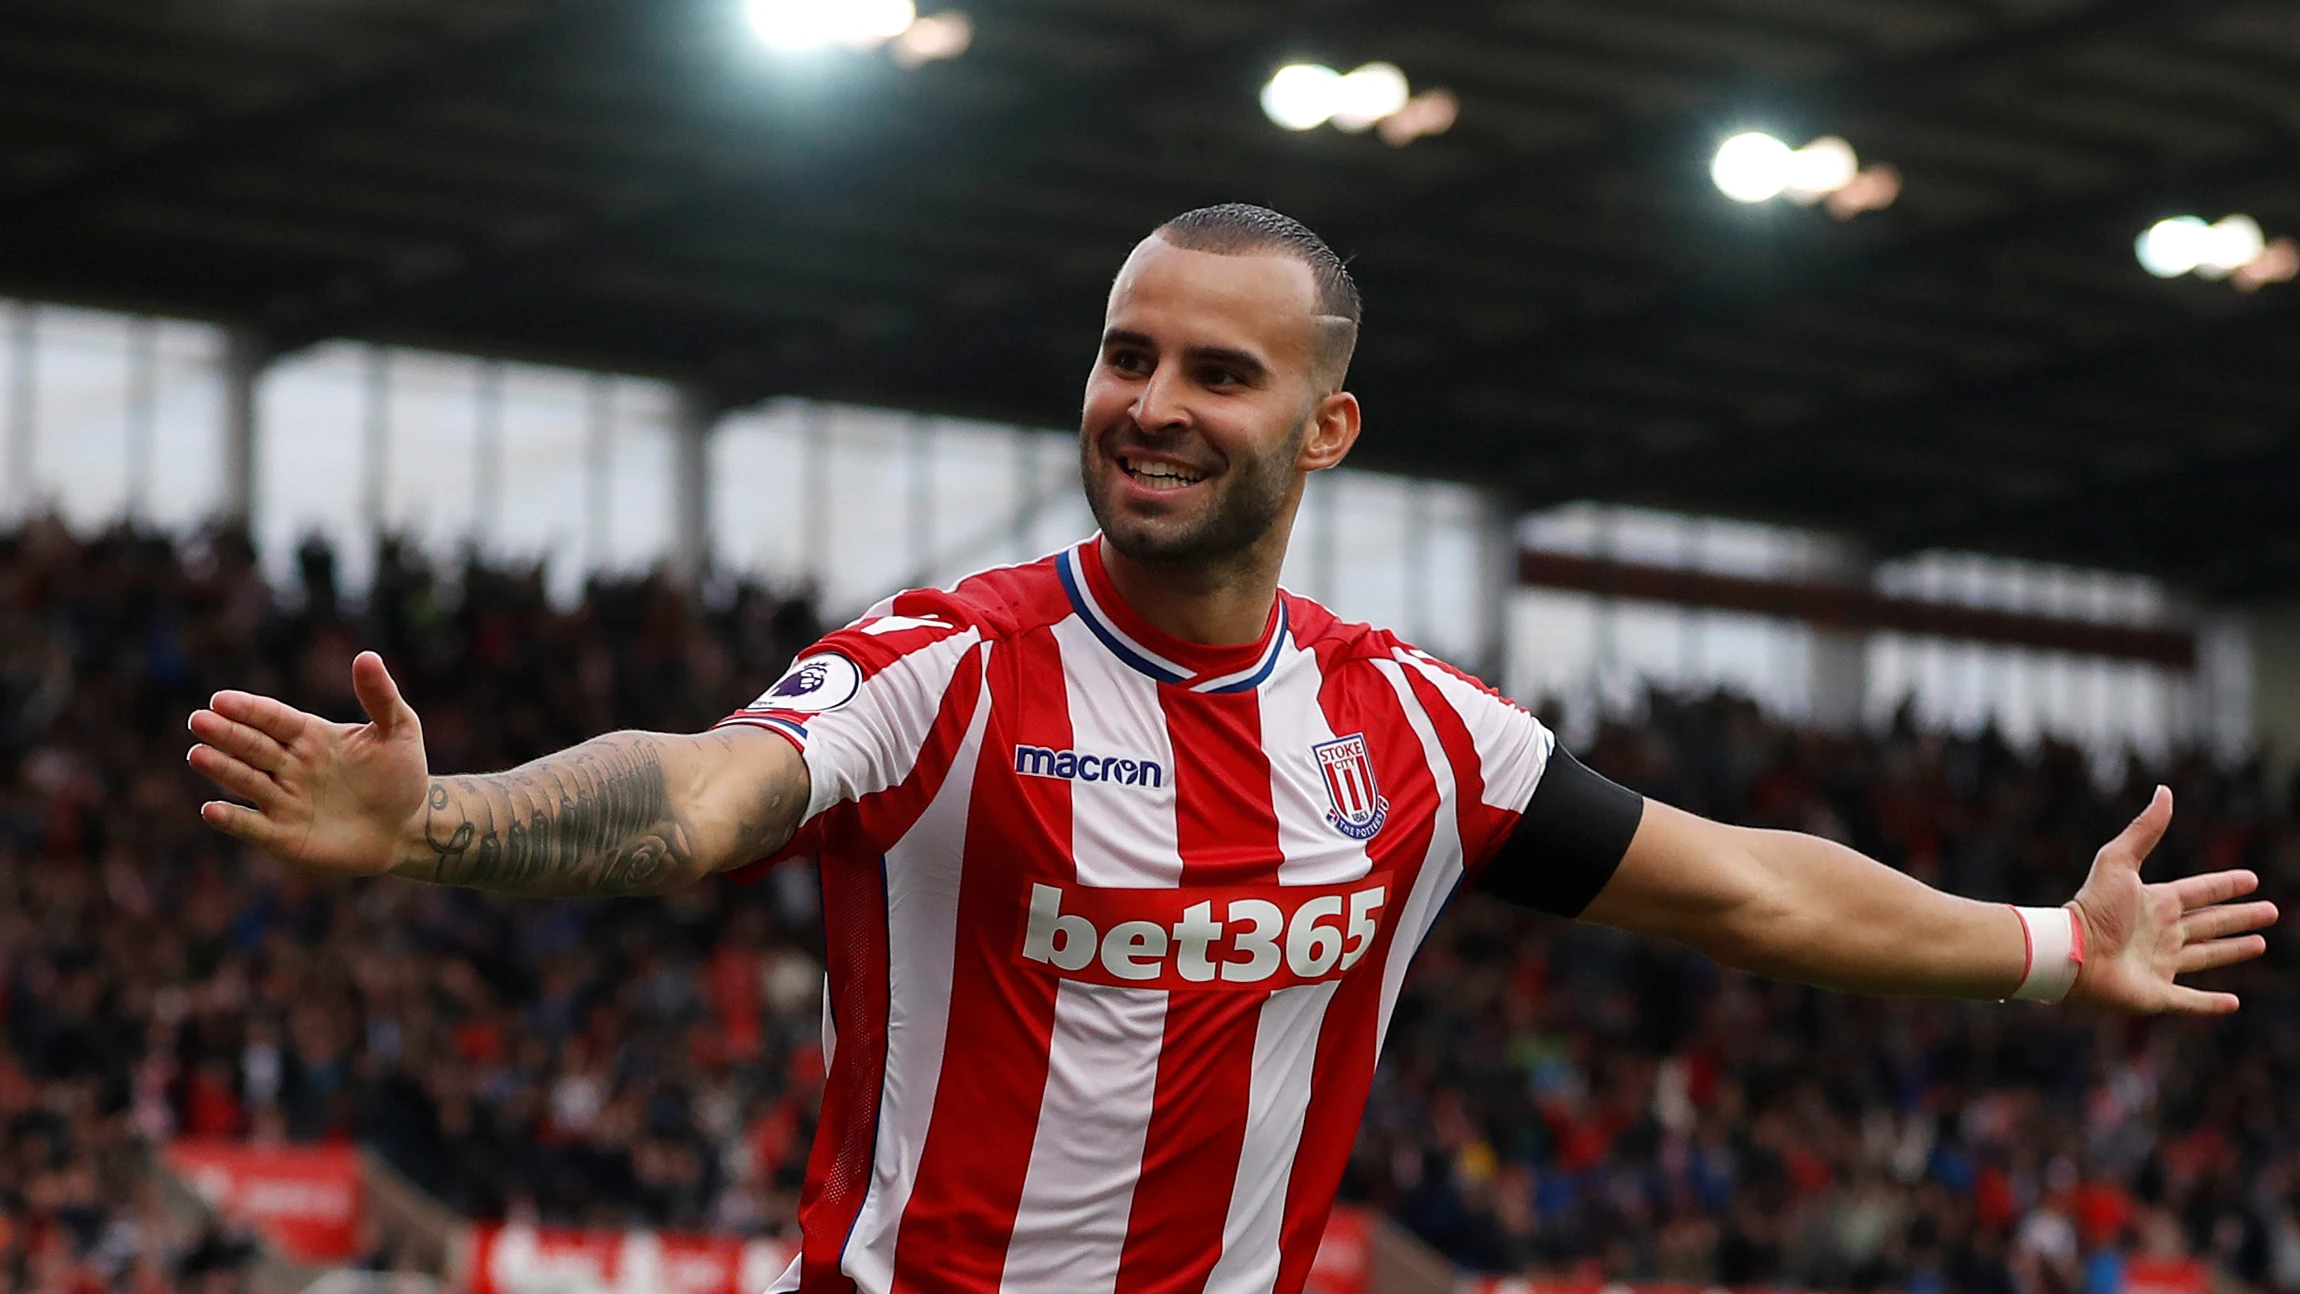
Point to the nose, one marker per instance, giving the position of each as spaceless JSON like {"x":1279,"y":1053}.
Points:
{"x":1161,"y":404}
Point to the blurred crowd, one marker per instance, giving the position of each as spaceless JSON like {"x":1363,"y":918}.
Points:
{"x":1554,"y":1098}
{"x":1572,"y":1099}
{"x":636,"y":1063}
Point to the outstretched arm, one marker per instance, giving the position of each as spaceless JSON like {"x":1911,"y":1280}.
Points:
{"x":627,"y":813}
{"x":1798,"y":907}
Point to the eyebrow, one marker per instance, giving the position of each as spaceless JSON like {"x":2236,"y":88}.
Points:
{"x":1244,"y":361}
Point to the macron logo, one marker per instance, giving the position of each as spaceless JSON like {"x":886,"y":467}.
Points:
{"x":1070,"y":766}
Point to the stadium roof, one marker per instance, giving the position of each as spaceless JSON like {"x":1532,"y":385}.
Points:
{"x":1557,"y":298}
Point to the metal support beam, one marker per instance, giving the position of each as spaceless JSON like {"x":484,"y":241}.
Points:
{"x":694,"y":417}
{"x":375,"y":444}
{"x":1325,"y":539}
{"x":2275,"y":658}
{"x":23,"y":404}
{"x":598,"y":473}
{"x":1022,"y":520}
{"x":815,"y":499}
{"x":142,"y":414}
{"x":487,"y":453}
{"x":918,"y":468}
{"x":1498,"y":563}
{"x":244,"y":360}
{"x":1840,"y":677}
{"x":1419,"y":567}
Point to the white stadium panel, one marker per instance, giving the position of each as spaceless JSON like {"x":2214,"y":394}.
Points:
{"x":309,"y":471}
{"x":80,"y":413}
{"x":122,"y":415}
{"x":639,"y":527}
{"x":544,"y":462}
{"x":431,"y":490}
{"x":758,"y":492}
{"x":187,"y":435}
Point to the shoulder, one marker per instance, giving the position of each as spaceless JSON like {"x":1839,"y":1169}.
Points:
{"x":1340,"y":644}
{"x":989,"y":606}
{"x":1315,"y":628}
{"x":1347,"y":648}
{"x":1008,"y":601}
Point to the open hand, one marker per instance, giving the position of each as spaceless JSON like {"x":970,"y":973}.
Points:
{"x":2138,"y":936}
{"x":337,"y":797}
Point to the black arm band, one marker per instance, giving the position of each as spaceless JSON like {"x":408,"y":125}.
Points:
{"x":1569,"y":841}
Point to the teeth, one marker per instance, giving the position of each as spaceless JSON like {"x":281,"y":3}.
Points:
{"x":1163,"y":476}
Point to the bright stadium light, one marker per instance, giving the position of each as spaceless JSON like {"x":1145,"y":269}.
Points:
{"x":936,"y":36}
{"x":1367,"y":95}
{"x":2278,"y":262}
{"x":2236,"y":242}
{"x":2173,"y":247}
{"x":1752,"y":167}
{"x":2187,"y":245}
{"x":1305,"y":96}
{"x":1820,"y":169}
{"x":795,"y":26}
{"x":1432,"y":112}
{"x":1301,"y":96}
{"x":2233,"y":248}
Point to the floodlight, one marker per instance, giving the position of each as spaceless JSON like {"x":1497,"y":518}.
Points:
{"x":1820,"y":169}
{"x":800,"y":25}
{"x":2278,"y":262}
{"x":1302,"y":96}
{"x":2173,"y":247}
{"x":2187,"y":245}
{"x":936,"y":36}
{"x":2236,"y":243}
{"x":1367,"y":95}
{"x":1432,"y":112}
{"x":1752,"y":167}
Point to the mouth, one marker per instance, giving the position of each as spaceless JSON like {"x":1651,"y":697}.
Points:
{"x":1158,"y":475}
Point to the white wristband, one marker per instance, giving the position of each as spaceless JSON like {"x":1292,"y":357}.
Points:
{"x":2055,"y":952}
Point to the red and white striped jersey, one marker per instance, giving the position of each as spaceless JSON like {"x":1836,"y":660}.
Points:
{"x":1115,"y":924}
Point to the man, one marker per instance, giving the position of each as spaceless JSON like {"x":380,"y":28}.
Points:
{"x":1124,"y":852}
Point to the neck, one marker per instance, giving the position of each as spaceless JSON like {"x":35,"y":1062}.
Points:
{"x":1224,"y":605}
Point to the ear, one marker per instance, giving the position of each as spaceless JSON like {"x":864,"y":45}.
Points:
{"x":1333,"y":430}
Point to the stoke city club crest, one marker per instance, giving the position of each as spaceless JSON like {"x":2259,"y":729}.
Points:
{"x":1358,"y":807}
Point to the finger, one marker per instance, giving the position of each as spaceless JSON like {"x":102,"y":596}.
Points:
{"x":278,"y":720}
{"x":379,"y":695}
{"x":241,"y":822}
{"x":238,"y":778}
{"x":238,"y":740}
{"x":2220,"y":952}
{"x":2183,"y":1000}
{"x":2213,"y":887}
{"x":2132,"y":845}
{"x":2219,"y":923}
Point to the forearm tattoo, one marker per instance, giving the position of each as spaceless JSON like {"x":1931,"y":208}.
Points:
{"x":594,"y":820}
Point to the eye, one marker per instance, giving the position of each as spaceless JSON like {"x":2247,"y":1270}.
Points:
{"x":1131,"y":362}
{"x":1219,"y":378}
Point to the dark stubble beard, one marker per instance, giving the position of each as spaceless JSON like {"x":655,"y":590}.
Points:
{"x":1248,"y":501}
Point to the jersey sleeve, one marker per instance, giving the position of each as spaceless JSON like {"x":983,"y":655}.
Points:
{"x":1538,"y":828}
{"x":874,"y":709}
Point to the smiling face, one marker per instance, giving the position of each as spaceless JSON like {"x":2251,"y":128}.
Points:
{"x":1207,"y":405}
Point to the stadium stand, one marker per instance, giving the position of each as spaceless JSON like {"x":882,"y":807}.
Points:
{"x":1555,"y":1099}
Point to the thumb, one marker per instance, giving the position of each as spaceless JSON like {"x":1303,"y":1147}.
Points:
{"x":2133,"y":845}
{"x":379,"y":696}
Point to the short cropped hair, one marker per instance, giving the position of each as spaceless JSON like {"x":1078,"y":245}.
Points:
{"x":1243,"y":229}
